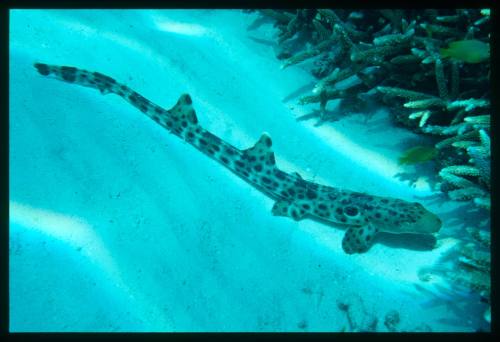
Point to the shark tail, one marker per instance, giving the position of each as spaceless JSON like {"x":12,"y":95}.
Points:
{"x":103,"y":83}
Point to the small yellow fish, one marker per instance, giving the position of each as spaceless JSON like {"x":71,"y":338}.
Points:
{"x":469,"y":51}
{"x":419,"y":154}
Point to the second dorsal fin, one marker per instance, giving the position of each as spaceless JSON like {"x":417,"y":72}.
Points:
{"x":262,"y":150}
{"x":183,"y":110}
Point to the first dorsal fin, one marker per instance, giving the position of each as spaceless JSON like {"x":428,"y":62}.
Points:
{"x":262,"y":150}
{"x":183,"y":110}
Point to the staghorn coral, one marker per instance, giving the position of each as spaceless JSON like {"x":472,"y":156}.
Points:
{"x":466,"y":267}
{"x":470,"y":181}
{"x":421,"y":67}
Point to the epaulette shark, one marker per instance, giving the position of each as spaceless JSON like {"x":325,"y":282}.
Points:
{"x":364,"y":215}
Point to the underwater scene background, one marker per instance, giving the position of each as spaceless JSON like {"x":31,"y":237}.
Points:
{"x":118,"y":225}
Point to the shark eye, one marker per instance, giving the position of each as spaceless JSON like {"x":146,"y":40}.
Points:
{"x":351,"y":211}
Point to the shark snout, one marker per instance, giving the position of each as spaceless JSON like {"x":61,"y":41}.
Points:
{"x":429,"y":223}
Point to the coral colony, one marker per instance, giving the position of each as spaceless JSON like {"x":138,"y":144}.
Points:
{"x":431,"y":67}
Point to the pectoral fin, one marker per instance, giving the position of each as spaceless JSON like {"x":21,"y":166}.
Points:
{"x":358,"y":239}
{"x":290,"y":209}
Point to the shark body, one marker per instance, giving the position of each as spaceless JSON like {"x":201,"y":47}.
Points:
{"x":364,"y":214}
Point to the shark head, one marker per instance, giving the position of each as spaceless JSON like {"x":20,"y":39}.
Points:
{"x":369,"y":215}
{"x":399,"y":216}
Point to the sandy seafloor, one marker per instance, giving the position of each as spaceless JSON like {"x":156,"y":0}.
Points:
{"x":117,"y":225}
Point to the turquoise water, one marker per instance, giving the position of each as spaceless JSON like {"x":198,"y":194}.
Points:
{"x":117,"y":225}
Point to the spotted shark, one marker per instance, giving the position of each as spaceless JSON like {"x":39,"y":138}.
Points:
{"x":364,"y":215}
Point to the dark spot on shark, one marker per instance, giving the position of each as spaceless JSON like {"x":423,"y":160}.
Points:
{"x":360,"y":231}
{"x":291,"y":192}
{"x":138,"y":101}
{"x":224,"y":160}
{"x":345,"y":201}
{"x":184,"y":124}
{"x":68,"y":73}
{"x":377,"y":215}
{"x":202,"y":141}
{"x":239,"y":163}
{"x":268,"y":141}
{"x":339,"y":211}
{"x":258,"y":167}
{"x":384,"y":200}
{"x":311,"y":194}
{"x":279,"y":175}
{"x":252,"y":158}
{"x":230,"y":151}
{"x":322,"y":206}
{"x":343,"y":219}
{"x":392,"y":212}
{"x":43,"y":69}
{"x":332,"y":197}
{"x":271,"y":160}
{"x":368,"y":238}
{"x":169,"y":124}
{"x":190,"y":135}
{"x":368,"y":207}
{"x":188,"y":99}
{"x":306,"y":206}
{"x":266,"y":180}
{"x":103,"y":78}
{"x":351,"y":211}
